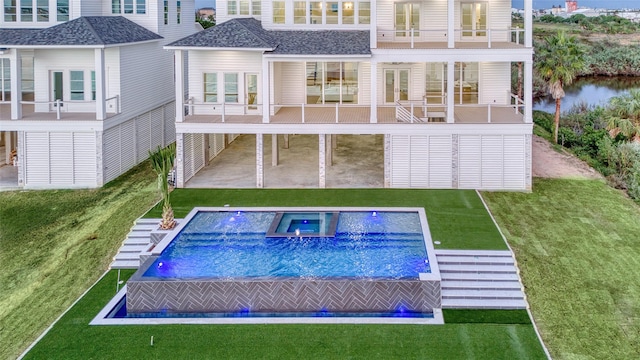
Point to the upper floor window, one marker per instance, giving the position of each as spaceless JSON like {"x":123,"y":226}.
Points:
{"x":26,"y":10}
{"x":244,"y":7}
{"x":256,"y":7}
{"x":474,"y":19}
{"x":63,"y":10}
{"x":43,"y":10}
{"x":178,"y":12}
{"x":166,"y":12}
{"x":232,"y":7}
{"x":10,"y":11}
{"x":93,"y":85}
{"x":210,"y":87}
{"x":278,"y":12}
{"x":76,"y":85}
{"x":128,"y":6}
{"x":364,"y":12}
{"x":5,"y":80}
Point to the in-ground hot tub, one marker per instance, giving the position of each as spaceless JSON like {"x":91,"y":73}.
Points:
{"x":223,"y":260}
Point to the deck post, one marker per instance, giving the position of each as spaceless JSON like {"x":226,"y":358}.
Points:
{"x":329,"y":150}
{"x":101,"y":106}
{"x":179,"y":69}
{"x":259,"y":161}
{"x":15,"y":68}
{"x":275,"y":154}
{"x":322,"y":150}
{"x":451,"y":36}
{"x":450,"y":92}
{"x":8,"y":147}
{"x":528,"y":24}
{"x":266,"y":109}
{"x":528,"y":91}
{"x":374,"y":92}
{"x":286,"y":141}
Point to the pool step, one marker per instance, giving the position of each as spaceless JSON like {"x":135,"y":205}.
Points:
{"x":137,"y":241}
{"x":480,"y":280}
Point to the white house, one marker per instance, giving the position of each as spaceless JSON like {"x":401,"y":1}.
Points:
{"x":86,"y":87}
{"x":434,"y":77}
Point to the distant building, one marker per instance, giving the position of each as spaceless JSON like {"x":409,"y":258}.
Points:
{"x":206,"y":14}
{"x":571,"y":6}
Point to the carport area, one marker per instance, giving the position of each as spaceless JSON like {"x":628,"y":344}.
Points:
{"x":353,"y":161}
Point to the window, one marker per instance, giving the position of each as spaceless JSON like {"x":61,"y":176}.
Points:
{"x":43,"y":10}
{"x":141,"y":7}
{"x":244,"y":7}
{"x":278,"y":12}
{"x":63,"y":10}
{"x":10,"y":10}
{"x":27,"y":78}
{"x":210,"y":87}
{"x":256,"y":7}
{"x":347,"y":13}
{"x":166,"y":12}
{"x":332,"y":82}
{"x":178,"y":12}
{"x":315,"y":8}
{"x":93,"y":85}
{"x":77,"y":85}
{"x":364,"y":12}
{"x":115,"y":6}
{"x":474,"y":18}
{"x":232,"y":7}
{"x":332,"y":13}
{"x":231,"y":88}
{"x":299,"y":12}
{"x":465,"y":83}
{"x":128,"y":6}
{"x":26,"y":10}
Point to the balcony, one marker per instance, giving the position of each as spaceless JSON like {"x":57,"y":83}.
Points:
{"x":464,"y":39}
{"x":58,"y":110}
{"x":399,"y":113}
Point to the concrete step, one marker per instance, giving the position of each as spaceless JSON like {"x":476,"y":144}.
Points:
{"x":127,"y":256}
{"x":473,"y":253}
{"x":150,"y":221}
{"x":482,"y":294}
{"x":128,"y":248}
{"x":145,"y":227}
{"x":484,"y":260}
{"x":139,"y":234}
{"x":137,"y":241}
{"x":476,"y":268}
{"x":497,"y":277}
{"x":125,"y":264}
{"x":483,"y":304}
{"x":480,"y":284}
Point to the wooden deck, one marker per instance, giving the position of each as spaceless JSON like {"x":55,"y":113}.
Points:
{"x":444,"y":45}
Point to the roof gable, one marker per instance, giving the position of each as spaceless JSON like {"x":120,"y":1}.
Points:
{"x":235,"y":33}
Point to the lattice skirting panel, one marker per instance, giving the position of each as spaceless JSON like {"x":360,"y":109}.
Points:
{"x":282,"y":295}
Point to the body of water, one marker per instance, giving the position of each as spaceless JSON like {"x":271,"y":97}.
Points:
{"x":591,"y":90}
{"x":594,"y":4}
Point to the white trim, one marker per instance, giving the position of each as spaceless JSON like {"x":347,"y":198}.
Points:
{"x":201,"y":48}
{"x":77,"y":46}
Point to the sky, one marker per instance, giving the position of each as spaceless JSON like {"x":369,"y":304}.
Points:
{"x":537,"y":4}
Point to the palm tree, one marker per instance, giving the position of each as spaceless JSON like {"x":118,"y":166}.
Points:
{"x":558,"y":61}
{"x":162,"y":162}
{"x":624,"y":115}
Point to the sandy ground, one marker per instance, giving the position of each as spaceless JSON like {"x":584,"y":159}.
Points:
{"x":549,"y":163}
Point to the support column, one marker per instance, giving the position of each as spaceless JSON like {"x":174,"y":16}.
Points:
{"x":8,"y":145}
{"x":451,"y":33}
{"x":528,"y":23}
{"x":179,"y":160}
{"x":330,"y":150}
{"x":334,"y":141}
{"x":259,"y":161}
{"x":286,"y":141}
{"x":101,"y":105}
{"x":275,"y":153}
{"x":373,"y":14}
{"x":528,"y":91}
{"x":374,"y":92}
{"x":387,"y":160}
{"x":450,"y":91}
{"x":15,"y":68}
{"x":266,"y":108}
{"x":322,"y":150}
{"x":179,"y":80}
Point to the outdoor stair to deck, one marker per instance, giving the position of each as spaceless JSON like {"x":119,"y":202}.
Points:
{"x":137,"y":241}
{"x":480,"y":279}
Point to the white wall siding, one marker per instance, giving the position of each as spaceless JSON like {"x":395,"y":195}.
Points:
{"x":36,"y":158}
{"x":292,"y":83}
{"x":492,"y":162}
{"x":514,"y":162}
{"x":469,"y":161}
{"x":61,"y":158}
{"x":433,"y":16}
{"x":400,"y":161}
{"x":495,"y":82}
{"x":143,"y":136}
{"x":364,"y":83}
{"x":128,"y":139}
{"x":169,"y":114}
{"x":84,"y":158}
{"x":440,"y":158}
{"x":419,"y":161}
{"x":194,"y":156}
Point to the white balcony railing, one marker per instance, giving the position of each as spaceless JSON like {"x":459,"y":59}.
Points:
{"x":413,"y":37}
{"x":112,"y":105}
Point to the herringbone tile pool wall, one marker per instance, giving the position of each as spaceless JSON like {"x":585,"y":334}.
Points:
{"x":283,"y":295}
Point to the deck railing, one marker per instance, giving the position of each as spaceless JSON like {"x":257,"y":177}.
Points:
{"x":60,"y":108}
{"x":221,"y":109}
{"x":488,"y":36}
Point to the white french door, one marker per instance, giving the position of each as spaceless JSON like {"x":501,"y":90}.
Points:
{"x":396,"y":85}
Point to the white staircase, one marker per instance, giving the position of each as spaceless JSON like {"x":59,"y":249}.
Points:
{"x":480,"y":279}
{"x":138,"y":240}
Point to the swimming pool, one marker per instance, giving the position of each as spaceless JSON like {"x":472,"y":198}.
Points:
{"x":290,"y":260}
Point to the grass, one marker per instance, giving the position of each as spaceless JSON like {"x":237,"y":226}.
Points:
{"x":578,"y":250}
{"x":72,"y":338}
{"x":457,"y":218}
{"x":55,"y":244}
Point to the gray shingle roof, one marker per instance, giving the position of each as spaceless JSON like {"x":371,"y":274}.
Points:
{"x":86,"y":31}
{"x":248,"y":33}
{"x":15,"y":36}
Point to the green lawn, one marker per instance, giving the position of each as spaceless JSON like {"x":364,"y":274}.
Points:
{"x":457,"y":218}
{"x":501,"y":335}
{"x":578,"y":248}
{"x":55,"y":244}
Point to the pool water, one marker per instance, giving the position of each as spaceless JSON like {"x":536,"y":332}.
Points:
{"x":233,"y":244}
